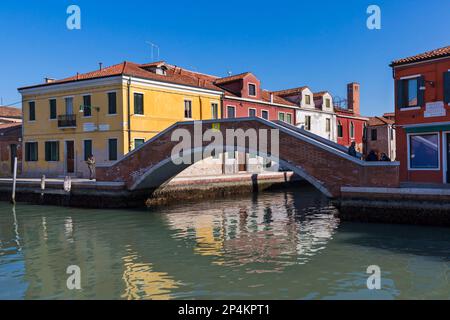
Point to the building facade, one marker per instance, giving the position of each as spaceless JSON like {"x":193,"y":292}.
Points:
{"x":422,"y":104}
{"x":10,"y":140}
{"x":351,"y":126}
{"x":380,"y":137}
{"x":108,"y":113}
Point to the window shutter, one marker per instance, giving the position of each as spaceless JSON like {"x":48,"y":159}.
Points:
{"x":447,"y":87}
{"x":420,"y":93}
{"x":399,"y":86}
{"x":57,"y":150}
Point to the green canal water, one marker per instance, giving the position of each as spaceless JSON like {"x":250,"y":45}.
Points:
{"x":276,"y":245}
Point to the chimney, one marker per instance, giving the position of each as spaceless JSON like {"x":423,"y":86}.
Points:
{"x":353,"y":97}
{"x":271,"y":97}
{"x":49,"y":80}
{"x":100,"y":64}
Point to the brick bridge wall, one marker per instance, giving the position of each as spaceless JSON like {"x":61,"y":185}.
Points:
{"x":326,"y":168}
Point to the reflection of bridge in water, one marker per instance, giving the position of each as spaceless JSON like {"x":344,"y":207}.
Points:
{"x":324,"y":164}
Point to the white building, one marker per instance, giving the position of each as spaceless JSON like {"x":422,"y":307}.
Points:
{"x":315,"y":113}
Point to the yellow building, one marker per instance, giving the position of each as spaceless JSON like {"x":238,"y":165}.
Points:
{"x":107,"y":113}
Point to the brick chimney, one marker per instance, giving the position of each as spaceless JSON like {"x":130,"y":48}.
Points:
{"x":353,"y":97}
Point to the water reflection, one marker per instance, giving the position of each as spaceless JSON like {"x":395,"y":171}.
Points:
{"x":278,"y":245}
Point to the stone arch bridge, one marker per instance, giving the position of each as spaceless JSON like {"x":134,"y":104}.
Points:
{"x":323,"y":163}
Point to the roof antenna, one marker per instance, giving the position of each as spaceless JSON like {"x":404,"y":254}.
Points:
{"x":152,"y":49}
{"x":100,"y":64}
{"x":229,"y":72}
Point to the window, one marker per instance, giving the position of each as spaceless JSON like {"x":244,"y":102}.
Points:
{"x":52,"y":151}
{"x":231,"y":112}
{"x":251,"y":89}
{"x":87,"y":110}
{"x":138,"y":143}
{"x":52,"y":105}
{"x":424,"y":151}
{"x":409,"y":93}
{"x":215,"y":111}
{"x":87,"y":149}
{"x":328,"y":103}
{"x":392,"y":133}
{"x":112,"y":103}
{"x":265,"y":114}
{"x":340,"y":132}
{"x":352,"y":130}
{"x":281,"y":116}
{"x":112,"y":149}
{"x":188,"y":109}
{"x":31,"y":151}
{"x":32,"y":111}
{"x":69,"y":105}
{"x":327,"y":125}
{"x":289,"y":118}
{"x":252,"y":112}
{"x":373,"y":134}
{"x":138,"y":103}
{"x":307,"y":99}
{"x":308,"y":123}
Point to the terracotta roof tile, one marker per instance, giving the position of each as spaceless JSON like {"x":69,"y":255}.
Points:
{"x":9,"y":112}
{"x":231,"y":78}
{"x":265,"y":95}
{"x":433,"y":54}
{"x":379,"y":121}
{"x":289,"y":92}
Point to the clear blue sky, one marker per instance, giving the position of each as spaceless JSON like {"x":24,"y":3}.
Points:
{"x":322,"y":44}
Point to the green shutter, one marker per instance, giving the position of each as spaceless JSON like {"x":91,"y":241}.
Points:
{"x":447,"y":87}
{"x":57,"y":151}
{"x":420,"y":93}
{"x":399,"y":86}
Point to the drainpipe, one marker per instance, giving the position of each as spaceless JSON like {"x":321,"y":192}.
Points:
{"x":129,"y":112}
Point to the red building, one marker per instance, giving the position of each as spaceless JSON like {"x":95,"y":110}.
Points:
{"x":244,"y":97}
{"x":351,"y":126}
{"x":422,"y":104}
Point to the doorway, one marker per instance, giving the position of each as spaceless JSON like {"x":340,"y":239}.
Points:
{"x":13,"y":149}
{"x":70,"y":157}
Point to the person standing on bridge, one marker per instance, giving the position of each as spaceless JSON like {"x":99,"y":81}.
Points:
{"x":91,"y":165}
{"x":352,"y":150}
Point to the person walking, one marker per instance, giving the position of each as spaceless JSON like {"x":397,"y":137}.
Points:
{"x":91,"y":165}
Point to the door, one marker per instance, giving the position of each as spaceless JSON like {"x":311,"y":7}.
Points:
{"x":13,"y":148}
{"x":70,"y":157}
{"x":242,"y":161}
{"x":448,"y":158}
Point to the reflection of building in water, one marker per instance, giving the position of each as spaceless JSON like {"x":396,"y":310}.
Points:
{"x":257,"y":232}
{"x":141,"y":282}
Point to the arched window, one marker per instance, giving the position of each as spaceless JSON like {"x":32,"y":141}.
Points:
{"x":352,"y":130}
{"x":339,"y":130}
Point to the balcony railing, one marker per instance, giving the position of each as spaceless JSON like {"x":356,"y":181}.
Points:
{"x":67,"y":121}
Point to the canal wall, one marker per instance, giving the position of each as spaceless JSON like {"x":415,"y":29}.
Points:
{"x":91,"y":194}
{"x":418,"y":206}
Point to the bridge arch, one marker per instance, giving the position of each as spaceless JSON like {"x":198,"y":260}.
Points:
{"x":322,"y":163}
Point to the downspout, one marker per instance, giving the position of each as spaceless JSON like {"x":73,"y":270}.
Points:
{"x":129,"y":112}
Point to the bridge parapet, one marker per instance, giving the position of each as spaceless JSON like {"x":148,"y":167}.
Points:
{"x":326,"y":167}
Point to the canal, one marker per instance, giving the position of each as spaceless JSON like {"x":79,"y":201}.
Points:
{"x":284,"y":244}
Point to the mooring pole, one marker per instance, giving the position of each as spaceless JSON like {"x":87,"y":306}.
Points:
{"x":13,"y":197}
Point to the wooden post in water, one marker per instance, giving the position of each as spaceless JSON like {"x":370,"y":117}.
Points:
{"x":13,"y":197}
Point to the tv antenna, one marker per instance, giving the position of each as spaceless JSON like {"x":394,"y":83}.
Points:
{"x":153,"y":47}
{"x":340,"y":102}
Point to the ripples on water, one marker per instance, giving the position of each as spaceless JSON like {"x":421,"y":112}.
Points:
{"x":277,"y":245}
